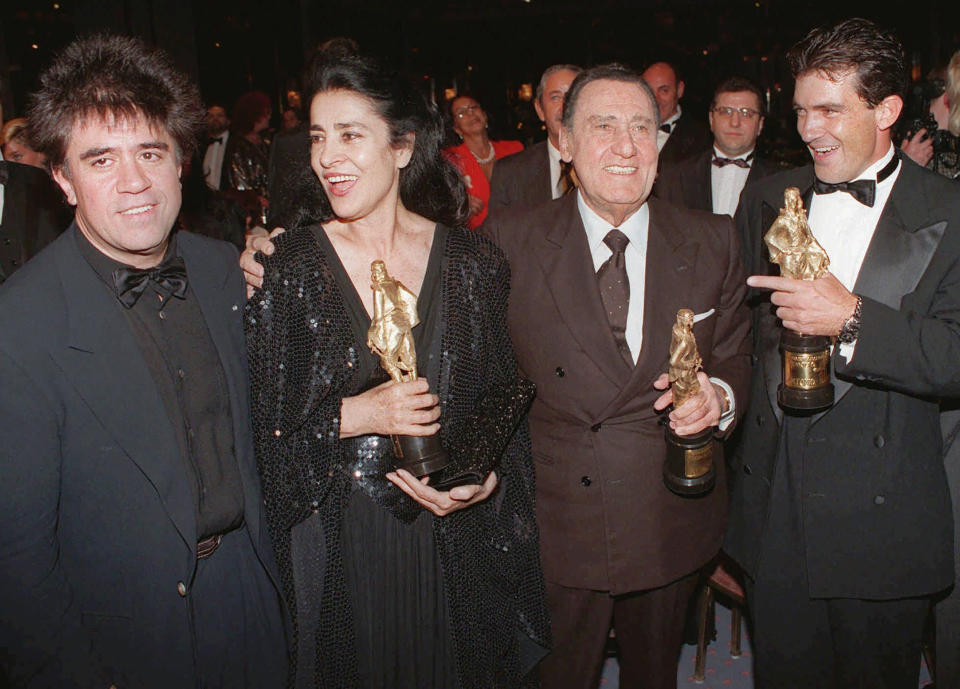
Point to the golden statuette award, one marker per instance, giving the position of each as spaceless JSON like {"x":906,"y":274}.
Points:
{"x":688,"y":469}
{"x":806,"y":385}
{"x":390,"y":337}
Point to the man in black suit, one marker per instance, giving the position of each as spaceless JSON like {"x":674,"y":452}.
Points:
{"x":842,"y":520}
{"x":31,"y":214}
{"x":215,"y":156}
{"x":713,"y":180}
{"x":537,"y":174}
{"x":133,"y":551}
{"x":679,"y":137}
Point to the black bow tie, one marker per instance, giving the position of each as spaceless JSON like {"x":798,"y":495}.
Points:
{"x":216,"y":139}
{"x":170,"y":277}
{"x":863,"y":190}
{"x":3,"y":172}
{"x":739,"y":162}
{"x":666,"y":128}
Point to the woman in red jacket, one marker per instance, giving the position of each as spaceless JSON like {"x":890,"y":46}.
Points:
{"x":476,"y":156}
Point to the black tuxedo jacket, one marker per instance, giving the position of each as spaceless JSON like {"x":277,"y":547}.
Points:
{"x":521,"y":179}
{"x":689,"y":182}
{"x":98,"y":532}
{"x":689,"y":137}
{"x":607,"y":522}
{"x":876,"y":508}
{"x":33,"y":215}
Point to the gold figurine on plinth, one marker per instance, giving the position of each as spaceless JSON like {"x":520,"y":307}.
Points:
{"x":806,"y":385}
{"x":391,"y":338}
{"x":688,"y":469}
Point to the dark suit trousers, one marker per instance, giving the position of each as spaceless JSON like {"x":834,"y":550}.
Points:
{"x":801,"y":642}
{"x":239,"y":638}
{"x":649,"y":628}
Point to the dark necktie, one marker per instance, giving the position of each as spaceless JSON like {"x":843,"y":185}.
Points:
{"x":668,"y":128}
{"x":170,"y":277}
{"x":863,"y":190}
{"x":739,"y":162}
{"x":568,"y":178}
{"x":615,"y":290}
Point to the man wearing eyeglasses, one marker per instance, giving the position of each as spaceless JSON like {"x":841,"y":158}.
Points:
{"x":713,"y":180}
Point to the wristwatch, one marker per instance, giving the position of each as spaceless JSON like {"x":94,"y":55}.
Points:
{"x":850,"y":330}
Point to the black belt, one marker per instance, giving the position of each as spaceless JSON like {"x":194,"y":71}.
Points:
{"x":208,"y":546}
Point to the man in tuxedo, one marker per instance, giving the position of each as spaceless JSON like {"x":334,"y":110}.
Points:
{"x":132,"y":546}
{"x":597,"y":279}
{"x":31,"y":214}
{"x":537,"y":174}
{"x":214,"y":157}
{"x":679,"y":137}
{"x":713,"y":180}
{"x":842,"y":520}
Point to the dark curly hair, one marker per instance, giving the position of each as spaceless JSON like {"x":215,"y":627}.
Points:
{"x":854,"y":44}
{"x":112,"y":76}
{"x":429,"y":185}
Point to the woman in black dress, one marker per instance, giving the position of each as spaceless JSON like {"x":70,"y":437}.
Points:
{"x":390,"y":583}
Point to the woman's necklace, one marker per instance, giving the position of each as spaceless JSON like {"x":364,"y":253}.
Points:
{"x":489,"y":158}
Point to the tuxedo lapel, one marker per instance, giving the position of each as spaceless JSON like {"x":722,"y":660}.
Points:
{"x":900,"y":250}
{"x":568,"y":268}
{"x":704,"y":181}
{"x":540,"y":177}
{"x":104,"y":363}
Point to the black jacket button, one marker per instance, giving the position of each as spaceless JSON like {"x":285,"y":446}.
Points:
{"x":586,"y":481}
{"x":879,"y":500}
{"x":759,"y":419}
{"x":747,"y":470}
{"x":595,"y":428}
{"x":878,"y":440}
{"x":560,"y":372}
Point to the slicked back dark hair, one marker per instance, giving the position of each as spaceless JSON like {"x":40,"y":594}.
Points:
{"x":112,"y":77}
{"x":429,"y":184}
{"x":612,"y":72}
{"x":737,"y":85}
{"x":854,"y":44}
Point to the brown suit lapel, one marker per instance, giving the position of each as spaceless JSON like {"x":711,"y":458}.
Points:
{"x":568,"y":267}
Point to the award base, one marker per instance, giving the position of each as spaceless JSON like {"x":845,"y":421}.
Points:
{"x":419,"y":454}
{"x":806,"y":386}
{"x":688,"y":469}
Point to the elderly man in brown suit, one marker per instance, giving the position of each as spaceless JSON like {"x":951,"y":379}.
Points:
{"x":597,"y":280}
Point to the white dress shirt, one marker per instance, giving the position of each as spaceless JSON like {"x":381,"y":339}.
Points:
{"x":555,"y":163}
{"x":844,"y":227}
{"x":726,"y":183}
{"x":213,"y":161}
{"x":662,"y":136}
{"x":636,"y":228}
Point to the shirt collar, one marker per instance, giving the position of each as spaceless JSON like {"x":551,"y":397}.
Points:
{"x":553,"y":152}
{"x":635,"y":227}
{"x":871,"y":172}
{"x":717,"y":152}
{"x":674,"y":117}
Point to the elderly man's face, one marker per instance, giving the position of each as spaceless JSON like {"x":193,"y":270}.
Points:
{"x":549,"y":106}
{"x":124,"y":178}
{"x":613,"y":146}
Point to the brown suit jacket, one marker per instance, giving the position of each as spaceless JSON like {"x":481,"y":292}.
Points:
{"x":607,"y":522}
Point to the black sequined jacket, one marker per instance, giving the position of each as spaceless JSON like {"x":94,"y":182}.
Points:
{"x":303,"y":362}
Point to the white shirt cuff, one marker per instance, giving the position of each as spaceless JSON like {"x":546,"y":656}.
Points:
{"x":726,"y":418}
{"x":847,"y":350}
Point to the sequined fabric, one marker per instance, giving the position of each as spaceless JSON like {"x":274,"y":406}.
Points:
{"x":303,"y":359}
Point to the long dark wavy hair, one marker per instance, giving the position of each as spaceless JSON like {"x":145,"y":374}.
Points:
{"x":429,"y":184}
